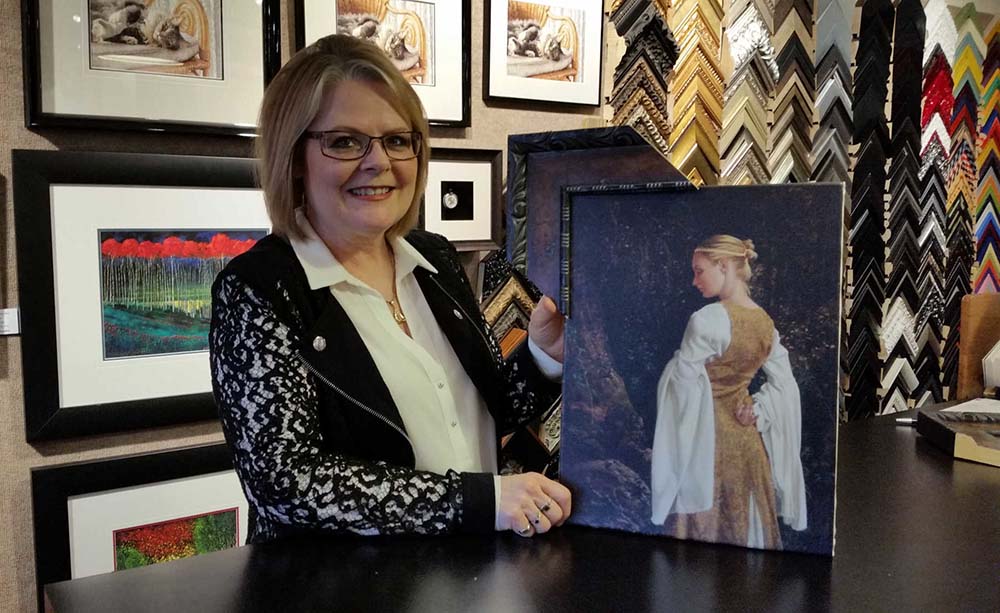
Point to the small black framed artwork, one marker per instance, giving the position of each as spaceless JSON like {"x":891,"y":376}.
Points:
{"x":544,"y":50}
{"x":116,"y":254}
{"x":462,"y":199}
{"x":103,"y":516}
{"x":162,"y":65}
{"x":427,"y":40}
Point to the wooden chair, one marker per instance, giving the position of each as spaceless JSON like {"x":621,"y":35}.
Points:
{"x":980,"y":331}
{"x":566,"y":32}
{"x":410,"y":26}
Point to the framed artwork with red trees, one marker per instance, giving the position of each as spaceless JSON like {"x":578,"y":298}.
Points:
{"x":116,"y":254}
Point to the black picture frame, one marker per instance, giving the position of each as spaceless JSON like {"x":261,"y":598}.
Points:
{"x":35,"y":173}
{"x":539,"y":165}
{"x":51,"y":488}
{"x":438,"y":171}
{"x":38,"y":117}
{"x":435,"y":116}
{"x":578,"y":84}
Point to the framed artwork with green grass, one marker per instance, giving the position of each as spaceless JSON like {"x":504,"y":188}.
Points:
{"x":109,"y":515}
{"x":116,"y":255}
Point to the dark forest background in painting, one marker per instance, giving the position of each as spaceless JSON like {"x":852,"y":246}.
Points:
{"x":631,"y":296}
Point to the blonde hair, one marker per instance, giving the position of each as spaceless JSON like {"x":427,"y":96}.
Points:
{"x":722,"y":247}
{"x":293,"y":100}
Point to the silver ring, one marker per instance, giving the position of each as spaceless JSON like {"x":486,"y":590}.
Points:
{"x":545,"y":507}
{"x":538,"y":518}
{"x":524,"y":532}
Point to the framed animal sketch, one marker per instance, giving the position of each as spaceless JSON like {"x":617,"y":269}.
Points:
{"x":116,"y":254}
{"x":544,"y":50}
{"x":174,"y":65}
{"x":427,"y":40}
{"x":109,"y":515}
{"x":462,"y":199}
{"x":701,"y":390}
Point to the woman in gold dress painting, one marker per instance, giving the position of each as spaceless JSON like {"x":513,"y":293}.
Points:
{"x":725,"y":464}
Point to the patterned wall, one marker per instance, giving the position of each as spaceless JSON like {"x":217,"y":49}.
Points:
{"x":899,"y":100}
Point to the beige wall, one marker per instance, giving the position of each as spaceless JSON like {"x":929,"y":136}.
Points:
{"x":490,"y":127}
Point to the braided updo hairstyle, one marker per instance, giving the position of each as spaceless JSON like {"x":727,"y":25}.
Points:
{"x":721,"y":247}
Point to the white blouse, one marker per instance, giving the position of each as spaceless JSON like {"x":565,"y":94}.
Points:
{"x":445,"y":416}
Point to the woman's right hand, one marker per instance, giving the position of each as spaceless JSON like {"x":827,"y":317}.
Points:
{"x":744,"y":413}
{"x":531,"y":504}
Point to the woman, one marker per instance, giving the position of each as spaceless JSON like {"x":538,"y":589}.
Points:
{"x":357,"y":384}
{"x":726,"y":465}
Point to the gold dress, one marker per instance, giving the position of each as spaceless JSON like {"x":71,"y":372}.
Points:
{"x":742,"y":469}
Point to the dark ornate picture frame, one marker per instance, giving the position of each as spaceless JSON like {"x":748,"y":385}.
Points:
{"x":38,"y":116}
{"x":539,"y":165}
{"x":435,"y":115}
{"x":34,"y":175}
{"x":52,"y":487}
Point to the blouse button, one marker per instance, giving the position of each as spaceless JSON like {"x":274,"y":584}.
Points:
{"x":440,"y":386}
{"x":457,"y":313}
{"x":319,"y":343}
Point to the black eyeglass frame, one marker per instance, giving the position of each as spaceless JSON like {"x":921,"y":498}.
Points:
{"x":416,"y":137}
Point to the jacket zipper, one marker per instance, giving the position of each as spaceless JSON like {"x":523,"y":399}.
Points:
{"x":471,"y":321}
{"x":352,"y":399}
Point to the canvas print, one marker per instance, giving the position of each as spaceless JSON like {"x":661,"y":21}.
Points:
{"x":156,"y":287}
{"x":403,"y":29}
{"x":164,"y":37}
{"x":544,"y":42}
{"x":701,"y":388}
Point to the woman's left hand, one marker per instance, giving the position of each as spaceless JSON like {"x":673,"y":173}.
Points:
{"x":546,"y":328}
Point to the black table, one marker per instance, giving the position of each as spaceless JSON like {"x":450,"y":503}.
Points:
{"x":916,"y":531}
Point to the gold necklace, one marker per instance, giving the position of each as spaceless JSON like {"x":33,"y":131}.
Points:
{"x":397,"y":312}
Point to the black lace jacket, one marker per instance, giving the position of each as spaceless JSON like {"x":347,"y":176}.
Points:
{"x":317,"y":440}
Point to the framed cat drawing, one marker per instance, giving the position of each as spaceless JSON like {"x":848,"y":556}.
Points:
{"x":116,"y":254}
{"x":544,"y":50}
{"x":427,"y":40}
{"x":129,"y":65}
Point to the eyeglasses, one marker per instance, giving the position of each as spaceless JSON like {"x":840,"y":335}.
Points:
{"x":341,"y":145}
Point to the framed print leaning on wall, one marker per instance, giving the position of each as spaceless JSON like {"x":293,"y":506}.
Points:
{"x":116,"y":254}
{"x":176,"y":65}
{"x":545,"y":50}
{"x":427,"y":40}
{"x":462,"y":199}
{"x":108,"y":515}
